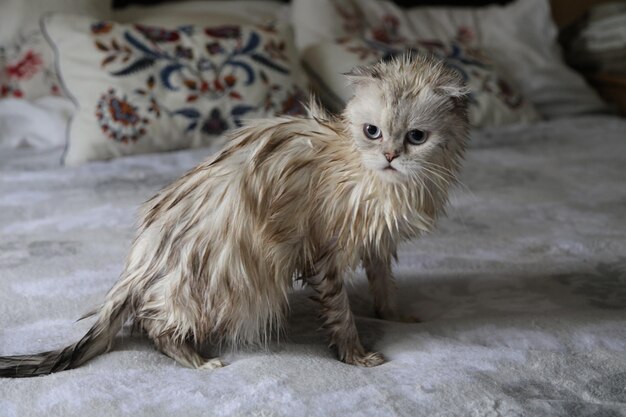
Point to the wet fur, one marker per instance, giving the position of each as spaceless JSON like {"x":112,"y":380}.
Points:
{"x":217,"y":251}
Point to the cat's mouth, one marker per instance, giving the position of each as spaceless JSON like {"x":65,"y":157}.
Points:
{"x":389,"y":168}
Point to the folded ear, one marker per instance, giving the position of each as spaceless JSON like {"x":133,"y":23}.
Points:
{"x":451,"y":84}
{"x":454,"y":91}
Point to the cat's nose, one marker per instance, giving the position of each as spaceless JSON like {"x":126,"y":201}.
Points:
{"x":391,"y":156}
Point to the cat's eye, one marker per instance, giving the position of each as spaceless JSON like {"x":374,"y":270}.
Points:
{"x":416,"y":136}
{"x":372,"y":132}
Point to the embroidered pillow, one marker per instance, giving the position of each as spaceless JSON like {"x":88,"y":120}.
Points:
{"x":143,"y":89}
{"x":26,"y":60}
{"x":519,"y":37}
{"x":28,"y":69}
{"x":492,"y":99}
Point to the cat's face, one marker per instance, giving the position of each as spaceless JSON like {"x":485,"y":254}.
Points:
{"x":407,"y":119}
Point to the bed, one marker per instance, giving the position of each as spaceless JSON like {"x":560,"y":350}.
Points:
{"x":521,"y":291}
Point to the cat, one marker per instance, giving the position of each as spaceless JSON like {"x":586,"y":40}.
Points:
{"x":308,"y":198}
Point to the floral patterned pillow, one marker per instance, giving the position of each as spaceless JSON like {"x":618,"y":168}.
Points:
{"x":26,"y":59}
{"x":492,"y":99}
{"x":27,"y":68}
{"x":143,"y":89}
{"x":520,"y":39}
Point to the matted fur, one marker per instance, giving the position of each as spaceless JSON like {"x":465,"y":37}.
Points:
{"x":217,"y":251}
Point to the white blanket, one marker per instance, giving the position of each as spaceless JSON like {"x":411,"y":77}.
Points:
{"x":522,"y":293}
{"x":40,"y":123}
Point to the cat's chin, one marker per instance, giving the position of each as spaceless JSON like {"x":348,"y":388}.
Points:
{"x":390,"y":174}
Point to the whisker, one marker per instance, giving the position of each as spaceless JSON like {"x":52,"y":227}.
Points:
{"x":449,"y":172}
{"x":439,"y":186}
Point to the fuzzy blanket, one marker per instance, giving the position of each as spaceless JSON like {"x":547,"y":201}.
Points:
{"x":521,"y":289}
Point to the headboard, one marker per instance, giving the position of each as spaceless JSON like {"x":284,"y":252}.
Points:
{"x":564,"y":11}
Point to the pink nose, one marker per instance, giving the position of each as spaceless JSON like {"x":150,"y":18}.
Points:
{"x":390,"y":156}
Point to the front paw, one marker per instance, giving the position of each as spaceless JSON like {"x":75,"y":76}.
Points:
{"x":367,"y":359}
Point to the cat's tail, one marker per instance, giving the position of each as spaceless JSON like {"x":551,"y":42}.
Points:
{"x":99,"y":339}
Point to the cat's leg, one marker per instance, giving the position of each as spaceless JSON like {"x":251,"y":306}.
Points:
{"x":383,"y":289}
{"x":185,"y":354}
{"x":339,"y":321}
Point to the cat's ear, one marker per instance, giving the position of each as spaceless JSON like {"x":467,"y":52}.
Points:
{"x":362,"y":75}
{"x":453,"y":91}
{"x":451,"y":85}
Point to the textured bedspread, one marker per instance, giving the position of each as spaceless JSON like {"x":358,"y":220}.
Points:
{"x":522,"y":293}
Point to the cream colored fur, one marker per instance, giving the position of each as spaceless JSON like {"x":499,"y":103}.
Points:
{"x":218,"y":250}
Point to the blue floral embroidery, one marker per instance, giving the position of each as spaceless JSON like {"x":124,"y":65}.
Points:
{"x":231,"y":59}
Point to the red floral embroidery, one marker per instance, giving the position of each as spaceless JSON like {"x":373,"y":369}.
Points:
{"x":10,"y":91}
{"x":158,"y":34}
{"x":387,"y":30}
{"x":224,"y":32}
{"x":119,"y":119}
{"x":465,"y":35}
{"x":26,"y":67}
{"x":292,"y":105}
{"x":100,"y":28}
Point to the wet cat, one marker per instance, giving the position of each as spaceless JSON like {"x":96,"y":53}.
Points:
{"x":288,"y":198}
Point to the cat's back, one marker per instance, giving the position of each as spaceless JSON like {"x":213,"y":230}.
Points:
{"x":270,"y":146}
{"x":263,"y":165}
{"x":281,"y":162}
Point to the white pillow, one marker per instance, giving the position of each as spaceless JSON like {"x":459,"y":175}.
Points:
{"x":492,"y":100}
{"x":26,"y":60}
{"x":143,"y":89}
{"x":519,"y":37}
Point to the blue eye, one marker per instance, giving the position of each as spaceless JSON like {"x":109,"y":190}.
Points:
{"x":372,"y":132}
{"x":416,"y":137}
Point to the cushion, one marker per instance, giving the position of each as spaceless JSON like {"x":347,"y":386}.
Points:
{"x":520,"y":38}
{"x":26,"y":60}
{"x":492,"y":99}
{"x":143,"y":89}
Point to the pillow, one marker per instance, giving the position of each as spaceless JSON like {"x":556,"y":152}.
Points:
{"x":27,"y":68}
{"x":143,"y":89}
{"x":492,"y":100}
{"x":26,"y":60}
{"x":519,"y":37}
